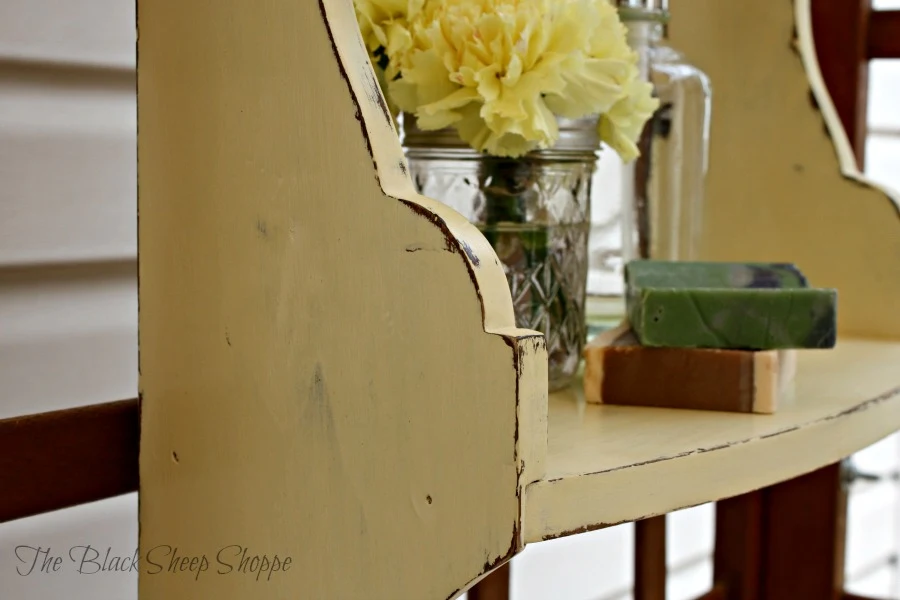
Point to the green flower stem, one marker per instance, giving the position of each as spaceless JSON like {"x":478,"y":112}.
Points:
{"x":506,"y":183}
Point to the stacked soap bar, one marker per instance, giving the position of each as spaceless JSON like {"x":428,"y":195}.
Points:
{"x":619,"y":370}
{"x":710,"y":336}
{"x":727,"y":305}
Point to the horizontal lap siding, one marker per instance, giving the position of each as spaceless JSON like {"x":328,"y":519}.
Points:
{"x":68,"y":336}
{"x":68,"y":242}
{"x":109,"y":524}
{"x":67,"y":165}
{"x":68,"y":287}
{"x":98,"y":33}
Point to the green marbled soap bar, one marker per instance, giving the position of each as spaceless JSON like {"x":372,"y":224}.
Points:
{"x":747,"y":306}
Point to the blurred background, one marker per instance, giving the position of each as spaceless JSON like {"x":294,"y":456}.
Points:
{"x":68,"y":309}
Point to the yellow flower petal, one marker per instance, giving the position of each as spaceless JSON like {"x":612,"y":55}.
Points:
{"x":502,"y":71}
{"x":622,"y":125}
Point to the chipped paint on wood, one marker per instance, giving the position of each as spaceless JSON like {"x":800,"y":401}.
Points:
{"x":612,"y":464}
{"x":364,"y":380}
{"x":304,"y":308}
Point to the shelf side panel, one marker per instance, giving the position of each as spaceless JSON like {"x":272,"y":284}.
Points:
{"x":783,"y":183}
{"x":329,"y":366}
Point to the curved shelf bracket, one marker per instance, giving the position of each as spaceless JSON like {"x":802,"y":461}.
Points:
{"x":782,"y":182}
{"x":330,"y":370}
{"x":782,"y":186}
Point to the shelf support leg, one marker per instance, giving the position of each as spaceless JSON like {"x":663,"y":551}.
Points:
{"x":785,"y":541}
{"x":493,"y":587}
{"x":650,"y":559}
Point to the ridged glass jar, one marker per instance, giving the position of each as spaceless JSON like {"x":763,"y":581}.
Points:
{"x":534,"y":210}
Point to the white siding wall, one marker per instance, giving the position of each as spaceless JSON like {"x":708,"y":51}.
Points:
{"x":68,"y":299}
{"x":68,"y":312}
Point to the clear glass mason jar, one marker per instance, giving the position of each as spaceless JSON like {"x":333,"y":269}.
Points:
{"x":534,"y":210}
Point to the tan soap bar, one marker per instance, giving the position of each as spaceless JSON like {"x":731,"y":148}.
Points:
{"x":618,"y":370}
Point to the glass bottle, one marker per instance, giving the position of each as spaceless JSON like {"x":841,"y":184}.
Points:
{"x":663,"y":201}
{"x":613,"y":205}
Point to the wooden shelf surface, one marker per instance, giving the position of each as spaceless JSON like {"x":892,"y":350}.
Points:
{"x":611,"y":464}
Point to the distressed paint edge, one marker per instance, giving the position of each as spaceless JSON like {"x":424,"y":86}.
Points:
{"x":392,"y":173}
{"x":805,"y":47}
{"x":862,"y":406}
{"x":532,"y":407}
{"x":567,"y":496}
{"x":530,"y":366}
{"x":462,"y":238}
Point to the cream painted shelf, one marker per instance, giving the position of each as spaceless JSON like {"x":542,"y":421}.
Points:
{"x":610,"y":464}
{"x":330,"y":368}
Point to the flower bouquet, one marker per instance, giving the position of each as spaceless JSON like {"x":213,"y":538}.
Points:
{"x":503,"y":106}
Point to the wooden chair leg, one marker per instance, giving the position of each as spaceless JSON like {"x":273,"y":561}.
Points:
{"x":784,"y":542}
{"x":650,"y":559}
{"x":493,"y":587}
{"x":716,"y":593}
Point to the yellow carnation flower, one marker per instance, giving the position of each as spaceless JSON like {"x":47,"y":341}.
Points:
{"x":621,"y":125}
{"x":596,"y":82}
{"x":384,"y":25}
{"x":501,"y":72}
